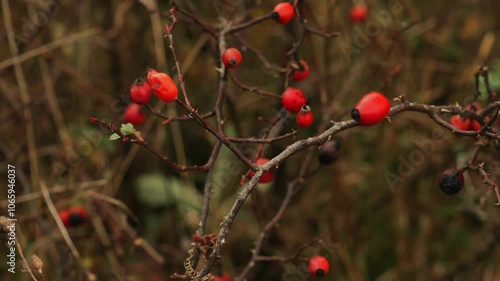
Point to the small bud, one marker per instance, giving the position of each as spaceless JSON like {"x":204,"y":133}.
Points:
{"x":37,"y":263}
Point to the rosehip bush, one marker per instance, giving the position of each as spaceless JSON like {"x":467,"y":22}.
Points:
{"x":343,"y":145}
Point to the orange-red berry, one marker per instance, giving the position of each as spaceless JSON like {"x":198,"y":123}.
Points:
{"x":140,"y":92}
{"x":223,"y":277}
{"x":64,"y":216}
{"x":283,"y":12}
{"x":301,"y":74}
{"x":467,"y":124}
{"x":371,"y":109}
{"x":305,"y":117}
{"x":269,"y":175}
{"x":73,"y":216}
{"x":358,"y":14}
{"x":293,"y":99}
{"x":133,"y":114}
{"x":231,"y":58}
{"x":461,"y":123}
{"x":318,"y":266}
{"x":474,"y":124}
{"x":162,"y":85}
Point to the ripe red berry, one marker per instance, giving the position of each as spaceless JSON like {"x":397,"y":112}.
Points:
{"x":231,"y":58}
{"x":140,"y":92}
{"x":64,"y":216}
{"x":474,"y":124}
{"x":73,"y":216}
{"x":358,"y":14}
{"x":133,"y":114}
{"x":293,"y":100}
{"x":319,"y":266}
{"x":301,"y":74}
{"x":371,"y":109}
{"x":268,"y":176}
{"x":467,"y":124}
{"x":451,"y":181}
{"x":283,"y":12}
{"x":162,"y":85}
{"x":473,"y":107}
{"x":461,"y":123}
{"x":305,"y":117}
{"x":223,"y":277}
{"x":329,"y":152}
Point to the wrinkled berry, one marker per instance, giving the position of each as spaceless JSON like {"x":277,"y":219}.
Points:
{"x":451,"y":181}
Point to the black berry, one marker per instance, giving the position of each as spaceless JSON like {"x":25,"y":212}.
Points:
{"x":451,"y":181}
{"x":329,"y":152}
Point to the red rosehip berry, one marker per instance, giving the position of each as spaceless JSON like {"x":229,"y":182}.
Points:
{"x":64,"y":216}
{"x":73,"y":216}
{"x":451,"y":181}
{"x":283,"y":12}
{"x":267,"y":176}
{"x":305,"y":117}
{"x":473,"y":107}
{"x":293,"y":99}
{"x":133,"y":114}
{"x":461,"y":123}
{"x":299,"y":75}
{"x":358,"y":14}
{"x":162,"y":85}
{"x":329,"y":152}
{"x":474,"y":124}
{"x":319,"y":266}
{"x":223,"y":277}
{"x":231,"y":58}
{"x":140,"y":92}
{"x":371,"y":109}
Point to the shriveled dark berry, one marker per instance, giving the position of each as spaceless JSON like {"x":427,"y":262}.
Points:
{"x":451,"y":181}
{"x":329,"y":153}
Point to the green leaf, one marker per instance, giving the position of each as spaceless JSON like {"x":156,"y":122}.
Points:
{"x":114,"y":137}
{"x":494,"y":75}
{"x":157,"y":190}
{"x":127,"y":129}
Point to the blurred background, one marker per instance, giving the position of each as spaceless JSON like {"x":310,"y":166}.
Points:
{"x":378,"y":208}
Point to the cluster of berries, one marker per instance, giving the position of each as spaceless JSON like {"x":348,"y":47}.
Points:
{"x":163,"y":86}
{"x":371,"y":109}
{"x":140,"y":93}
